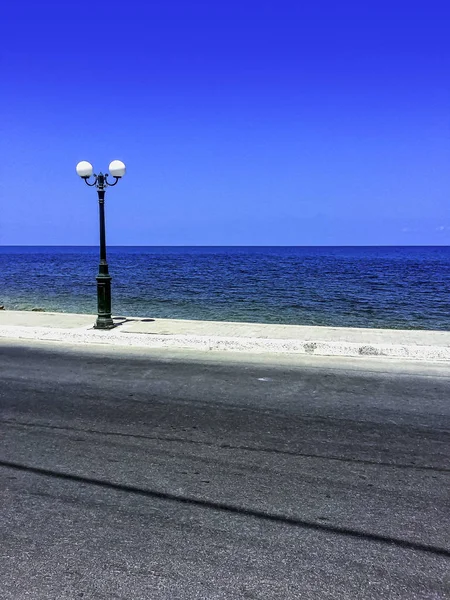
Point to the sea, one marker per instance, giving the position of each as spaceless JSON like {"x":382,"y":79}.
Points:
{"x":382,"y":287}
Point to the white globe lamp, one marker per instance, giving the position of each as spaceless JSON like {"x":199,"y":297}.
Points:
{"x":84,"y":169}
{"x":117,"y":168}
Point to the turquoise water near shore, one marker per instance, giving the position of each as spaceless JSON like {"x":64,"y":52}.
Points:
{"x":392,"y":287}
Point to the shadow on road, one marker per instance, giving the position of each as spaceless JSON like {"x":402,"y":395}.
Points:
{"x":232,"y":509}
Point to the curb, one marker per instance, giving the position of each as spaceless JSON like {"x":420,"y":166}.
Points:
{"x":232,"y":344}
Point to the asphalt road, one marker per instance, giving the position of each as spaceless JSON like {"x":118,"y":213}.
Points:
{"x":129,"y":476}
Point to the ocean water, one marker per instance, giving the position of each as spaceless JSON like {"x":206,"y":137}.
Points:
{"x":392,"y":287}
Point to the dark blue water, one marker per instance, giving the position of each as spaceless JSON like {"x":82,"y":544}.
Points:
{"x":401,"y":287}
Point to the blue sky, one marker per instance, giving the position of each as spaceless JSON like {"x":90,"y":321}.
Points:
{"x":269,"y":123}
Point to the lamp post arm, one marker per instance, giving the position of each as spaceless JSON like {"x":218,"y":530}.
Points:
{"x":90,"y":184}
{"x":109,"y":183}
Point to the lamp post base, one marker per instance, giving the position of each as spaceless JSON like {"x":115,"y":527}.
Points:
{"x":104,"y":323}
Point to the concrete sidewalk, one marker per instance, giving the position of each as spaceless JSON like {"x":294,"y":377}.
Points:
{"x":237,"y":337}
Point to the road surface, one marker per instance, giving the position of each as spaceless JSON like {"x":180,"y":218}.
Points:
{"x":147,"y":476}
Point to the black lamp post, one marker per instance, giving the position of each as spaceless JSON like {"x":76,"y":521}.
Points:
{"x":85,"y":171}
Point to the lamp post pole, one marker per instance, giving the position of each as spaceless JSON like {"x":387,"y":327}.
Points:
{"x":104,"y":319}
{"x":117,"y":170}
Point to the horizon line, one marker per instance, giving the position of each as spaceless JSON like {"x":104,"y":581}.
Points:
{"x":227,"y":246}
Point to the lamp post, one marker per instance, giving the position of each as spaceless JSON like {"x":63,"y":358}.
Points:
{"x":117,"y":170}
